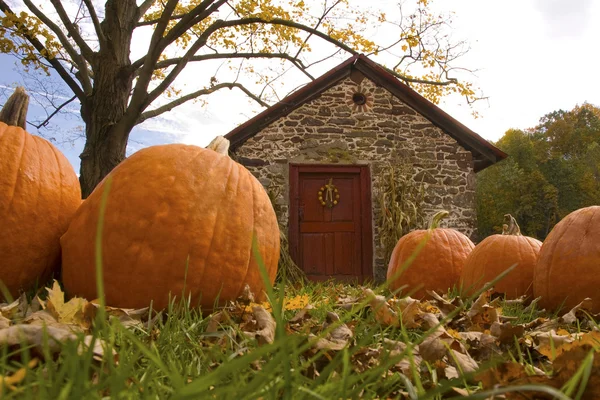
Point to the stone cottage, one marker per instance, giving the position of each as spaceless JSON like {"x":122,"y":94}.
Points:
{"x":323,"y":146}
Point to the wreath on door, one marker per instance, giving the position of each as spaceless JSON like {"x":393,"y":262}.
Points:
{"x":328,"y":194}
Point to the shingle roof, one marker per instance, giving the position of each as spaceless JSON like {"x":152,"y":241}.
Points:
{"x":484,"y":153}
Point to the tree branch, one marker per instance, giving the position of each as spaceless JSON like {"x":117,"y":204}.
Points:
{"x":153,"y":21}
{"x":95,"y":20}
{"x":197,"y":14}
{"x":168,"y":107}
{"x":56,"y":111}
{"x":86,"y":51}
{"x":42,"y":50}
{"x":76,"y":57}
{"x":149,"y":61}
{"x":217,"y":56}
{"x":144,"y":7}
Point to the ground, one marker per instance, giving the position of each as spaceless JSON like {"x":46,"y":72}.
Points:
{"x":320,"y":341}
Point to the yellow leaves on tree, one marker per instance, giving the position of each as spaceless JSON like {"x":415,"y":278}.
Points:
{"x":13,"y":27}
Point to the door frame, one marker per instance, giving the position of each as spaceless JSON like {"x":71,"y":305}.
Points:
{"x":365,"y":211}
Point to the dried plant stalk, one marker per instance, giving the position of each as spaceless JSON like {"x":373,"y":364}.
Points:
{"x":287,"y":269}
{"x":401,"y":201}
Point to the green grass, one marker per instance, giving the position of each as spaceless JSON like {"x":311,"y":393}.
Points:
{"x":175,"y":358}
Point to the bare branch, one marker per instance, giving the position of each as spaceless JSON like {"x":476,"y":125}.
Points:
{"x":95,"y":20}
{"x":202,"y":92}
{"x":42,"y":50}
{"x":215,"y":56}
{"x":149,"y":61}
{"x":76,"y":57}
{"x":56,"y":111}
{"x":86,"y":51}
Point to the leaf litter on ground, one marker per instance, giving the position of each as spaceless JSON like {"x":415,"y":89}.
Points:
{"x":423,"y":341}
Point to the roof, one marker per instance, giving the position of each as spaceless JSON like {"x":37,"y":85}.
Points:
{"x":484,"y":153}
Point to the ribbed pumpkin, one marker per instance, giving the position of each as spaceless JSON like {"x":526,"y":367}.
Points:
{"x":568,"y":268}
{"x":39,"y":193}
{"x":167,"y":203}
{"x":495,"y":254}
{"x":437,"y":266}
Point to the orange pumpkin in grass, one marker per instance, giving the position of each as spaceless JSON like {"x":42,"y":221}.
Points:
{"x":568,"y":269}
{"x":495,"y":254}
{"x":437,"y":266}
{"x":165,"y":204}
{"x":39,"y":193}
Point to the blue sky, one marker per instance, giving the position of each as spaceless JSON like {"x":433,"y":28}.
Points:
{"x":532,"y":56}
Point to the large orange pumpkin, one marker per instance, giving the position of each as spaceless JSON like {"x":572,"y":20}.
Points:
{"x":497,"y":253}
{"x":568,"y":269}
{"x":438,"y":264}
{"x":167,"y":203}
{"x":39,"y":193}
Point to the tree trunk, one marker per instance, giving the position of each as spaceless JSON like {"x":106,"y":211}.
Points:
{"x":104,"y":109}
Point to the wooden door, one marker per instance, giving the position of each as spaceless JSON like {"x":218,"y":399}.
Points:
{"x":330,"y":221}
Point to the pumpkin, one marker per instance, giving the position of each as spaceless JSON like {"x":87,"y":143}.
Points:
{"x":497,"y":253}
{"x":39,"y":194}
{"x":568,"y":269}
{"x":437,"y":266}
{"x":179,"y":220}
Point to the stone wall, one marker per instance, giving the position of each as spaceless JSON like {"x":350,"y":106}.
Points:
{"x":334,"y":129}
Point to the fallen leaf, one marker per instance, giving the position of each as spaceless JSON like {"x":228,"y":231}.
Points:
{"x":572,"y":316}
{"x":33,"y":335}
{"x":463,"y":361}
{"x":18,"y":376}
{"x":69,"y":312}
{"x":265,"y":324}
{"x":98,"y":349}
{"x":383,"y":313}
{"x":506,"y":332}
{"x":302,"y":314}
{"x":4,"y":322}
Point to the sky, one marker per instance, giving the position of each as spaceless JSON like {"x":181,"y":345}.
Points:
{"x":532,"y":57}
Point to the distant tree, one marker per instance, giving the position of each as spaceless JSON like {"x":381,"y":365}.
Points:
{"x":91,"y":50}
{"x":552,"y":170}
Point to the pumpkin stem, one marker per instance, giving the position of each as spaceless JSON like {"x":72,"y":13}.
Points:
{"x":219,"y":144}
{"x":437,"y":218}
{"x":14,"y":112}
{"x":510,"y":226}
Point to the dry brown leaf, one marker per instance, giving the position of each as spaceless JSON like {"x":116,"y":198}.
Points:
{"x":33,"y":335}
{"x":567,"y":364}
{"x":550,"y":344}
{"x":411,"y":313}
{"x":514,"y":374}
{"x":99,"y":349}
{"x":383,"y":313}
{"x":216,"y":320}
{"x":340,"y":332}
{"x":506,"y":332}
{"x":572,"y":316}
{"x":435,"y":346}
{"x":326,"y":344}
{"x":265,"y":323}
{"x":14,"y":310}
{"x":4,"y":322}
{"x":444,"y":305}
{"x":302,"y":314}
{"x":246,"y":297}
{"x":463,"y":361}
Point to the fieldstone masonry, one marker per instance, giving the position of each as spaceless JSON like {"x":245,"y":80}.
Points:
{"x":333,"y":129}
